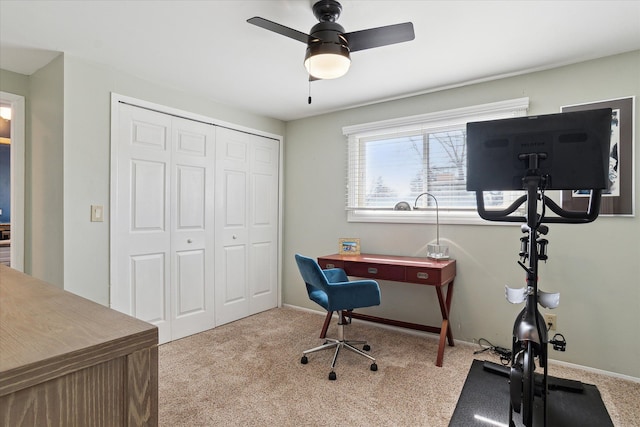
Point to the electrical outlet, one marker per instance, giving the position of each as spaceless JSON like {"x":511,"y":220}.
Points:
{"x":551,"y":321}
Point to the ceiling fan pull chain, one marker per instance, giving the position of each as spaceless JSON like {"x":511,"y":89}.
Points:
{"x":309,"y":100}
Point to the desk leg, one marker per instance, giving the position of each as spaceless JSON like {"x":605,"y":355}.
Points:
{"x":443,"y":335}
{"x":327,"y":320}
{"x":448,"y":306}
{"x":445,"y":329}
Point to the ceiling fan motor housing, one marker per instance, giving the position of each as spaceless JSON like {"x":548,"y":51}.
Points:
{"x":328,"y":32}
{"x":327,"y":10}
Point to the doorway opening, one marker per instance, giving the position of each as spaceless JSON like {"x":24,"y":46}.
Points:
{"x":12,"y":179}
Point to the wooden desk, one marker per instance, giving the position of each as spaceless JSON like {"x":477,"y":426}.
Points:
{"x":421,"y":271}
{"x":67,"y":361}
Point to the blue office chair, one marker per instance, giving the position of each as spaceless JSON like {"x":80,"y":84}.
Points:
{"x":332,"y":290}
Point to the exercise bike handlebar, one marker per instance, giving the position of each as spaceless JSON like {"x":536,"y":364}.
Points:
{"x":564,"y":216}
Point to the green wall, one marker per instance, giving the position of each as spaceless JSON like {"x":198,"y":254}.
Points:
{"x":599,"y":312}
{"x":45,"y":188}
{"x":43,"y":232}
{"x":14,"y":83}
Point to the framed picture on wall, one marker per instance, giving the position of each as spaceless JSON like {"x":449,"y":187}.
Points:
{"x":349,"y":246}
{"x":619,"y":198}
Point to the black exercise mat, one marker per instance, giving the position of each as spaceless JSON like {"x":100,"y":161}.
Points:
{"x":484,"y":402}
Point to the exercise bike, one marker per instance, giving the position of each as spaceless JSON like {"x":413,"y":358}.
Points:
{"x":530,"y":339}
{"x":563,"y":151}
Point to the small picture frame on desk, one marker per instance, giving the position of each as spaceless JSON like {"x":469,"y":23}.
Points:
{"x":349,"y":246}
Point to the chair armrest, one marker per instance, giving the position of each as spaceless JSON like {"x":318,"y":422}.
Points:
{"x":335,"y":275}
{"x":354,"y":294}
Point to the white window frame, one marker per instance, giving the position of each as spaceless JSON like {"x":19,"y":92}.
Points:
{"x":429,"y":122}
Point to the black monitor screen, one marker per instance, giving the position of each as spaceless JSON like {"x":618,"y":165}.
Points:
{"x":572,"y":148}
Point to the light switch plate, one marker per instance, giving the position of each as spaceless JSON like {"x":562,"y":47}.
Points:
{"x":97,"y":213}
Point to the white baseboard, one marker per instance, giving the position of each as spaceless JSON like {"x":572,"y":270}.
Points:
{"x":466,"y":343}
{"x":594,"y":370}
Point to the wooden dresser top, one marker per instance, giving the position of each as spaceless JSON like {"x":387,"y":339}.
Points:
{"x":47,"y":331}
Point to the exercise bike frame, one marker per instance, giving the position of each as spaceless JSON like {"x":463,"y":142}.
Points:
{"x":530,"y":340}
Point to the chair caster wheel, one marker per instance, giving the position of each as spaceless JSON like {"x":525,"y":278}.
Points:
{"x":304,"y":360}
{"x":366,"y":347}
{"x":332,"y":376}
{"x":374,"y":367}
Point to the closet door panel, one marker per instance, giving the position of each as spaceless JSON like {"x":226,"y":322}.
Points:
{"x":192,"y":227}
{"x":234,"y":286}
{"x":262,"y":270}
{"x":263,"y":227}
{"x":190,"y":283}
{"x":247,"y":218}
{"x":162,"y":221}
{"x":142,"y":239}
{"x":232,"y":204}
{"x":235,"y":202}
{"x":148,"y":196}
{"x":148,"y":284}
{"x":191,"y":196}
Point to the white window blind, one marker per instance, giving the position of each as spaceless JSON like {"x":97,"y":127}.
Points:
{"x":396,"y":160}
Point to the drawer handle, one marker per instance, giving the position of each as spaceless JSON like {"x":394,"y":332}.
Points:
{"x":331,"y":266}
{"x":422,"y":275}
{"x":372,"y":270}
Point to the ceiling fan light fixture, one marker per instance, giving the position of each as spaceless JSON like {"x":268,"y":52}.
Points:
{"x":327,"y":60}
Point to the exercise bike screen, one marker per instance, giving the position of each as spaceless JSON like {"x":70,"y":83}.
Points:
{"x":571,"y":151}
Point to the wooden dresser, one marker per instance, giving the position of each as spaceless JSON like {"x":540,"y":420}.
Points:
{"x":67,"y":361}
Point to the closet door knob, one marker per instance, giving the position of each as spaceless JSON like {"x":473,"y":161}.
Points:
{"x":234,"y":237}
{"x":189,"y":241}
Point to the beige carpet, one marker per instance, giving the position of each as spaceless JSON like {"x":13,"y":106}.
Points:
{"x":248,"y":373}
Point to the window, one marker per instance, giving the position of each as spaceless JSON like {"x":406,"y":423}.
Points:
{"x":391,"y":163}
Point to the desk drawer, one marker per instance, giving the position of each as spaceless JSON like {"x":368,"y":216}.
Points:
{"x":429,"y":276}
{"x":375,"y":271}
{"x":330,"y":263}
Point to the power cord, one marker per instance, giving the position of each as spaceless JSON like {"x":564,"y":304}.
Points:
{"x":503,"y":353}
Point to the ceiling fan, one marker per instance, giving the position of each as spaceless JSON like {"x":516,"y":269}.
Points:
{"x":329,"y":46}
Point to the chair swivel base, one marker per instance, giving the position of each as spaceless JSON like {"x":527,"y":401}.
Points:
{"x":340,"y":344}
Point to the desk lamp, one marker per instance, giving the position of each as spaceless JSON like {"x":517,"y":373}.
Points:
{"x":436,"y":251}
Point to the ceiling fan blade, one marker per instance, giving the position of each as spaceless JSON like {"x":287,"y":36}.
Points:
{"x":280,"y":29}
{"x":380,"y":36}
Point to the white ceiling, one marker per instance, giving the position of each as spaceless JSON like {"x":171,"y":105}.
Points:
{"x":207,"y":48}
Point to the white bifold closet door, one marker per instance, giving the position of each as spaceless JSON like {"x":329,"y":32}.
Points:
{"x":163,"y":219}
{"x":246,"y":224}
